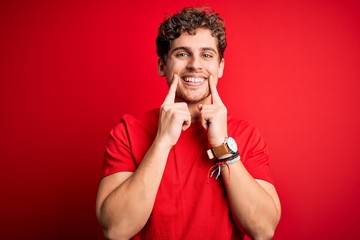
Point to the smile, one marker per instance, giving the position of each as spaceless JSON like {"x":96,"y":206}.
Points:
{"x":194,"y":79}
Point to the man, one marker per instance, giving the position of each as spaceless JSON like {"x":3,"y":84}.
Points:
{"x":188,"y":170}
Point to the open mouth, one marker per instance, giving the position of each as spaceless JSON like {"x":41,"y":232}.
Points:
{"x":194,"y":80}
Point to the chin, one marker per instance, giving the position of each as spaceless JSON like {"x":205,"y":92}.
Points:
{"x":192,"y":98}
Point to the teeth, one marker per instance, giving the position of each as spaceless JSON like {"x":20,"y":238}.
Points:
{"x":194,"y":80}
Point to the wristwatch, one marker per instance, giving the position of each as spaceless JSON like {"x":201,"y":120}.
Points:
{"x":228,"y":147}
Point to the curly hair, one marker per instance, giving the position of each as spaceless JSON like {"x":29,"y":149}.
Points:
{"x":188,"y":20}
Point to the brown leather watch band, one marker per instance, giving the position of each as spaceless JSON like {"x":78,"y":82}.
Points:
{"x":220,"y":150}
{"x":228,"y":147}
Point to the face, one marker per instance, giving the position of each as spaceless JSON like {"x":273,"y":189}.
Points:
{"x":194,"y":58}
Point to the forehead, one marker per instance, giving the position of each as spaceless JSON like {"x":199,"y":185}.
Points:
{"x":201,"y":40}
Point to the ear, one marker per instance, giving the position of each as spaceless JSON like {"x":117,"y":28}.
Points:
{"x":221,"y":68}
{"x":161,"y":67}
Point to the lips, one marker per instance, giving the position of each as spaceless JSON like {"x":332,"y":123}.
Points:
{"x":193,"y":80}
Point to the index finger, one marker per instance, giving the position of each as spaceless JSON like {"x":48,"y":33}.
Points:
{"x":170,"y":97}
{"x":214,"y":93}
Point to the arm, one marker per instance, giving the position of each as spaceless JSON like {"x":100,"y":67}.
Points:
{"x":125,"y":200}
{"x":254,"y":203}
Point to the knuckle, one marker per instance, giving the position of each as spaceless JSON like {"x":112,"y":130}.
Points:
{"x":176,"y":118}
{"x":164,"y":107}
{"x":182,"y":105}
{"x":223,"y":109}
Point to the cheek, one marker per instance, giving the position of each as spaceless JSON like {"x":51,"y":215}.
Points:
{"x":212,"y":69}
{"x":217,"y":70}
{"x":176,"y":67}
{"x":170,"y":67}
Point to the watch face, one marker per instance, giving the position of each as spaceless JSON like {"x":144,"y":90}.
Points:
{"x":232,"y":144}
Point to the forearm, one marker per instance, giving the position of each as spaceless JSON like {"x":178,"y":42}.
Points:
{"x":256,"y":210}
{"x":127,"y":208}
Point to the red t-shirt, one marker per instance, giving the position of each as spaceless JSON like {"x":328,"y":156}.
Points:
{"x":187,"y":205}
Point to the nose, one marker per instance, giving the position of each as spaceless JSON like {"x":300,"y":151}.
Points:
{"x":194,"y":63}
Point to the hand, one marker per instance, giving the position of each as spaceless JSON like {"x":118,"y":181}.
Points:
{"x":214,"y":117}
{"x":174,"y":117}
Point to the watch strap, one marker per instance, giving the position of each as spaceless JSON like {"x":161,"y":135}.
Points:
{"x":221,"y":150}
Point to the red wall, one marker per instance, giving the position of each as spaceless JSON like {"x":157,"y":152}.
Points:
{"x":69,"y":70}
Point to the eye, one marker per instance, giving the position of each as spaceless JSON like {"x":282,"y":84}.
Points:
{"x":207,"y":55}
{"x":182,"y":54}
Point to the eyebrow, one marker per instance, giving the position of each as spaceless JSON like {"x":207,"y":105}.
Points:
{"x":188,"y":49}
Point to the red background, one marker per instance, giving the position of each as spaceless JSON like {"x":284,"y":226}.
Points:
{"x":70,"y":69}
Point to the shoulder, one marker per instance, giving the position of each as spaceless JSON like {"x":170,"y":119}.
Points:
{"x":130,"y":124}
{"x":147,"y":119}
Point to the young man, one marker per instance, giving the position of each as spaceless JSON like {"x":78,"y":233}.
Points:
{"x":157,"y":171}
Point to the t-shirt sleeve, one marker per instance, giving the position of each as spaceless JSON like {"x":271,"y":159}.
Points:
{"x":118,"y":155}
{"x":256,"y":159}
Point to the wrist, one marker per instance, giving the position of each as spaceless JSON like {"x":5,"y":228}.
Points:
{"x":224,"y":157}
{"x":226,"y":148}
{"x":218,"y":142}
{"x":222,"y":163}
{"x":163,"y":144}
